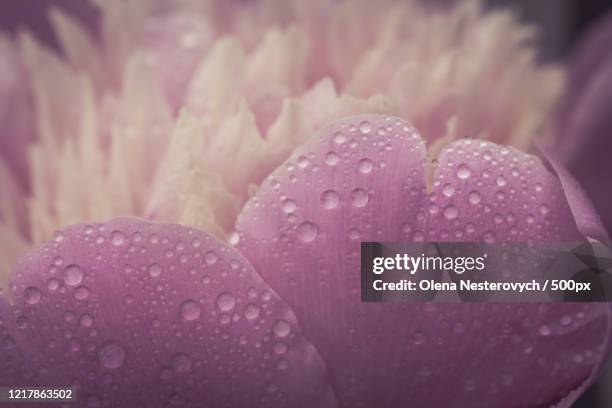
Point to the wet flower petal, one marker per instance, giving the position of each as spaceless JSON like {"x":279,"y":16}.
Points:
{"x":587,"y":218}
{"x":363,"y":179}
{"x":506,"y":195}
{"x":358,"y":180}
{"x":135,"y":313}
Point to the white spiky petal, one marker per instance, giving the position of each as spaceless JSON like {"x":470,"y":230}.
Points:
{"x":181,"y":110}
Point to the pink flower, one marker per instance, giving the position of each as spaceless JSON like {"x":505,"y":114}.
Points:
{"x":227,"y":121}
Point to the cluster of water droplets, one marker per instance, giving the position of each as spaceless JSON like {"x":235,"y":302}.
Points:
{"x":489,"y":193}
{"x":141,"y":298}
{"x":339,"y":179}
{"x":320,"y":204}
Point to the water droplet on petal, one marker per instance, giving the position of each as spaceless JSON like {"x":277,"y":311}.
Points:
{"x":181,"y":363}
{"x":365,"y":127}
{"x":474,"y":197}
{"x":190,"y":310}
{"x":450,"y":212}
{"x":251,"y":311}
{"x":211,"y":257}
{"x":32,"y":295}
{"x":489,"y":237}
{"x":117,"y":238}
{"x":226,"y":301}
{"x":448,"y":190}
{"x":544,"y":330}
{"x":330,"y":199}
{"x":86,"y":320}
{"x":359,"y":197}
{"x":81,"y":293}
{"x":339,"y":138}
{"x":331,"y":159}
{"x":155,"y":270}
{"x":111,"y":355}
{"x":281,"y":328}
{"x":365,"y":166}
{"x":289,"y":206}
{"x":463,"y":172}
{"x":307,"y":231}
{"x":73,"y":275}
{"x":303,"y":162}
{"x":53,"y":284}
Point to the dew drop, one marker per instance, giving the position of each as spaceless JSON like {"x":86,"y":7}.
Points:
{"x":86,"y":320}
{"x":53,"y":284}
{"x":501,"y":181}
{"x":117,"y":238}
{"x":365,"y":166}
{"x":289,"y":206}
{"x":155,"y":270}
{"x":359,"y":197}
{"x":307,"y":231}
{"x":251,"y":311}
{"x":451,"y":212}
{"x":544,"y":330}
{"x":282,"y":364}
{"x":32,"y":295}
{"x":448,"y":190}
{"x":279,"y":348}
{"x":365,"y":127}
{"x":81,"y":293}
{"x":463,"y":172}
{"x":331,"y":159}
{"x":226,"y":301}
{"x":281,"y":328}
{"x":474,"y":197}
{"x":566,"y":320}
{"x":111,"y":355}
{"x":303,"y":162}
{"x":330,"y":199}
{"x":181,"y":363}
{"x":190,"y":310}
{"x":488,"y":237}
{"x":211,"y":258}
{"x":339,"y":138}
{"x":73,"y":275}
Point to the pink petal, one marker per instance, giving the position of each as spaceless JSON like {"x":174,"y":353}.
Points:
{"x":302,"y":232}
{"x":304,"y":241}
{"x":140,"y":314}
{"x":585,"y":123}
{"x":505,"y":195}
{"x":587,"y":219}
{"x":16,"y":116}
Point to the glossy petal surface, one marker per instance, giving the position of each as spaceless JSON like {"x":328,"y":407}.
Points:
{"x":363,"y":179}
{"x":136,"y":314}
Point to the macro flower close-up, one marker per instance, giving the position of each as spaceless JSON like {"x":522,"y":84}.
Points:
{"x":186,"y":187}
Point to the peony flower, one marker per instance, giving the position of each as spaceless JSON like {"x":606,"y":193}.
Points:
{"x":281,"y":129}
